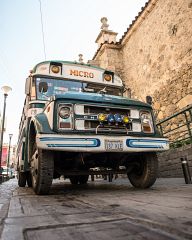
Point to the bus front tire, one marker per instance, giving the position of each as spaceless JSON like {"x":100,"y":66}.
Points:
{"x":145,"y":174}
{"x":42,"y":168}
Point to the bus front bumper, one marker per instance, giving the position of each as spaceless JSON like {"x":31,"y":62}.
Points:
{"x":100,"y":143}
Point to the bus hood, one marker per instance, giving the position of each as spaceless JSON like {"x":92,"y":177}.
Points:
{"x":100,"y":98}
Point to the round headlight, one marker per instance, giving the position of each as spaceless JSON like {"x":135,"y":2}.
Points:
{"x":64,"y":112}
{"x":125,"y":119}
{"x":102,"y":117}
{"x":118,"y":118}
{"x":111,"y":118}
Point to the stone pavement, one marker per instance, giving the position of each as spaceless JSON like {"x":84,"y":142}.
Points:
{"x":99,"y":210}
{"x":6,"y":191}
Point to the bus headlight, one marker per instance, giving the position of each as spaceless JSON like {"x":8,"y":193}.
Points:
{"x":146,"y":122}
{"x":64,"y":112}
{"x":65,"y":117}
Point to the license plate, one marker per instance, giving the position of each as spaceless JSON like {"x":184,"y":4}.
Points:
{"x":114,"y":145}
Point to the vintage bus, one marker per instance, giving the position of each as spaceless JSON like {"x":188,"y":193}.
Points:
{"x":75,"y":119}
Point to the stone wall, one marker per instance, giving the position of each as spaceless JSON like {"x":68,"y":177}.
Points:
{"x":155,"y":55}
{"x":160,"y":50}
{"x":109,"y":57}
{"x":175,"y":94}
{"x":170,"y":162}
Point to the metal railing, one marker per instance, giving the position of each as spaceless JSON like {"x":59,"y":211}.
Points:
{"x":178,"y":127}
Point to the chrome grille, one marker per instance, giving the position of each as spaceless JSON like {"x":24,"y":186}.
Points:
{"x":106,"y":110}
{"x":86,"y":119}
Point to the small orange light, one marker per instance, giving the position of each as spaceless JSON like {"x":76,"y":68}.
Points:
{"x":48,"y":109}
{"x":107,"y":77}
{"x":55,"y":69}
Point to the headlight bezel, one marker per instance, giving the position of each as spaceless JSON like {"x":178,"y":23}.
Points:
{"x":65,"y":122}
{"x":147,"y":125}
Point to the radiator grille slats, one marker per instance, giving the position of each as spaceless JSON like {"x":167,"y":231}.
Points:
{"x":86,"y":119}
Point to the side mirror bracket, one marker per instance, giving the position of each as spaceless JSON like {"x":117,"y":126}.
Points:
{"x":149,"y":100}
{"x":127,"y":92}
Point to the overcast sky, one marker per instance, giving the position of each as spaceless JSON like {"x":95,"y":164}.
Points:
{"x":70,"y":27}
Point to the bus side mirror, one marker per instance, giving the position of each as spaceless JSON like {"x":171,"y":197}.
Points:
{"x":127,"y":92}
{"x":43,"y":87}
{"x":149,"y":100}
{"x":27,"y":86}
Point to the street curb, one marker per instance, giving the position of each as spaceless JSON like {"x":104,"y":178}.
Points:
{"x":3,"y":214}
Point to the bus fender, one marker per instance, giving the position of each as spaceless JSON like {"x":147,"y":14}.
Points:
{"x":40,"y":124}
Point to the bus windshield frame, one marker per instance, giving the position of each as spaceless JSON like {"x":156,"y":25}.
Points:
{"x":60,"y":86}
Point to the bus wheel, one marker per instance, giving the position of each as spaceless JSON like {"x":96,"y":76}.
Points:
{"x":83,"y":179}
{"x":42,"y":168}
{"x":22,"y":179}
{"x":145,"y":173}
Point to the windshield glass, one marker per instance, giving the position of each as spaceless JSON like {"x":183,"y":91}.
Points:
{"x":58,"y":86}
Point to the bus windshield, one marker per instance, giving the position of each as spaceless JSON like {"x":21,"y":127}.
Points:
{"x":59,"y":86}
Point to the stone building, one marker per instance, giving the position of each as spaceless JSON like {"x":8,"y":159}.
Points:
{"x":154,"y":56}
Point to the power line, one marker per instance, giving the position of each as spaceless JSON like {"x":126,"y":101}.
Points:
{"x":42,"y":29}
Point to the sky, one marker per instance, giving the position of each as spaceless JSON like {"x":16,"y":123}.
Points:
{"x":70,"y":28}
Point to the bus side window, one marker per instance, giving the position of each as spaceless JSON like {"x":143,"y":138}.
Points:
{"x":27,"y":86}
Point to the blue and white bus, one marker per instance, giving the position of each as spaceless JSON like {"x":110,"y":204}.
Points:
{"x":75,"y":119}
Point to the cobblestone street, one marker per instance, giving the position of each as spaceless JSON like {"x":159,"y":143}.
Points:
{"x":99,"y":210}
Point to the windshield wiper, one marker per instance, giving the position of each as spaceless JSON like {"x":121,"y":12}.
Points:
{"x":103,"y":91}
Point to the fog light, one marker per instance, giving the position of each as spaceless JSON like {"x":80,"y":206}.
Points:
{"x":125,"y":119}
{"x":118,"y":118}
{"x":111,"y":118}
{"x":102,"y":117}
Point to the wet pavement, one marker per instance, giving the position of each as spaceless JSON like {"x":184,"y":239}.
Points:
{"x":98,"y":210}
